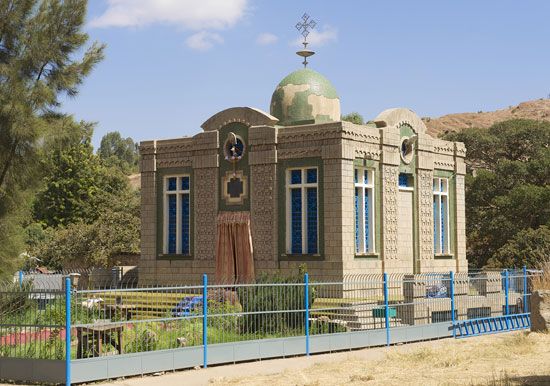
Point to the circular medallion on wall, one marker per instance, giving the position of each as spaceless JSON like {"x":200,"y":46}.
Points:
{"x":233,"y":148}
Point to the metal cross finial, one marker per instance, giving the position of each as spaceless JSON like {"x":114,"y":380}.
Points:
{"x":304,"y":27}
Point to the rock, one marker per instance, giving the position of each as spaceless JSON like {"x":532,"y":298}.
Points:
{"x":540,"y":311}
{"x":182,"y":342}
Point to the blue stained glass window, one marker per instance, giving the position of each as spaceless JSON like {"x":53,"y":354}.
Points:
{"x":185,"y":231}
{"x":366,"y":177}
{"x":443,"y":212}
{"x":172,"y":223}
{"x":403,"y":180}
{"x":311,"y":220}
{"x":311,"y":176}
{"x":295,"y":176}
{"x":172,"y":183}
{"x":296,"y":220}
{"x":357,"y":212}
{"x":184,"y":183}
{"x":435,"y":224}
{"x":367,"y":245}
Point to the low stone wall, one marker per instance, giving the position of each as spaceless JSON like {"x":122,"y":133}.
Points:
{"x":540,"y":311}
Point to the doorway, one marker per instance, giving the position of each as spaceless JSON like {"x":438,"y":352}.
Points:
{"x":234,"y":254}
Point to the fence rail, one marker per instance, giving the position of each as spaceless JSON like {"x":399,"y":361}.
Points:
{"x":202,"y":324}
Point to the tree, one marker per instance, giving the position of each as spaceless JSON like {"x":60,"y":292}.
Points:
{"x":530,"y":247}
{"x":507,"y":189}
{"x":120,"y":152}
{"x":353,"y":118}
{"x":39,"y":46}
{"x":114,"y":232}
{"x":77,"y":184}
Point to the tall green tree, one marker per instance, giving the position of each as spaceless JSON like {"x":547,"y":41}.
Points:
{"x":40,"y":61}
{"x":507,"y":192}
{"x":120,"y":152}
{"x":77,"y":184}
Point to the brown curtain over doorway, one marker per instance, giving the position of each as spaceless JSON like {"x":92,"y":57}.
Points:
{"x":234,"y":255}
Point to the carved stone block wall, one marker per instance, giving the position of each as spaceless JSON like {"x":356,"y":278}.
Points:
{"x":425,"y":214}
{"x":263,"y":212}
{"x":206,"y":210}
{"x":148,"y":215}
{"x":333,"y":209}
{"x":389,"y":211}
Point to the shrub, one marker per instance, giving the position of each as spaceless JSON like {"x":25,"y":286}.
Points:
{"x":229,"y":319}
{"x":145,"y":339}
{"x":275,"y":308}
{"x":15,"y":299}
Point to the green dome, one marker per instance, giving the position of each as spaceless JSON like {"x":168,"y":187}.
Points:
{"x":303,"y":97}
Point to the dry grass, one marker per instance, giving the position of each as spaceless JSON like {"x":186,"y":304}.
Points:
{"x":510,"y":359}
{"x":542,"y":282}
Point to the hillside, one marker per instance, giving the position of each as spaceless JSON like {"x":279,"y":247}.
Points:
{"x":537,"y":109}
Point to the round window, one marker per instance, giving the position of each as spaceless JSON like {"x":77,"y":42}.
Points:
{"x":407,"y":148}
{"x":234,"y":148}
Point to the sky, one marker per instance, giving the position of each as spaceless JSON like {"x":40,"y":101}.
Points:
{"x":171,"y":64}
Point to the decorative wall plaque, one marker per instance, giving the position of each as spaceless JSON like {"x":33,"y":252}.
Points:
{"x":234,"y":187}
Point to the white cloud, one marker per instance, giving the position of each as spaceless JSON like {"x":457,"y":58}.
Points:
{"x":189,"y":14}
{"x":203,"y":40}
{"x":266,"y":39}
{"x":318,"y":38}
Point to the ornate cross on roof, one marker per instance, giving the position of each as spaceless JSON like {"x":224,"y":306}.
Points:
{"x":304,"y":26}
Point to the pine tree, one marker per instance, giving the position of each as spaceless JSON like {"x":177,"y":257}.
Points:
{"x":39,"y":45}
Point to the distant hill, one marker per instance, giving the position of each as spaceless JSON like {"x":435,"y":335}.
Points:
{"x":537,"y":110}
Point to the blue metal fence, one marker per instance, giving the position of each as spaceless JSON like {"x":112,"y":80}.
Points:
{"x":174,"y":326}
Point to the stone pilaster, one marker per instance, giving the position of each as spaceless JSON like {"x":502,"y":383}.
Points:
{"x":148,"y":200}
{"x":425,"y":175}
{"x":425,"y":214}
{"x":389,"y":174}
{"x":389,"y":212}
{"x":460,"y":170}
{"x":263,"y":195}
{"x":205,"y":176}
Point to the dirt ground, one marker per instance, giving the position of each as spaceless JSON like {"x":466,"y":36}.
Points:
{"x":518,"y":358}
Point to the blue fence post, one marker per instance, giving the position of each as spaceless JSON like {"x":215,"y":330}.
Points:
{"x":525,"y":296}
{"x":20,"y":279}
{"x":386,"y":308}
{"x":507,"y":306}
{"x":453,"y":319}
{"x":306,"y":286}
{"x":68,"y":331}
{"x":205,"y":319}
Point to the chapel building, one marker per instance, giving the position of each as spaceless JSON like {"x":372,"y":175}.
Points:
{"x":257,"y":192}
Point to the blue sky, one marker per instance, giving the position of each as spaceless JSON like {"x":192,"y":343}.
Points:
{"x":171,"y":64}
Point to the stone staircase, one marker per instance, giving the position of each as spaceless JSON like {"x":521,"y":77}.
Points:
{"x":355,"y":315}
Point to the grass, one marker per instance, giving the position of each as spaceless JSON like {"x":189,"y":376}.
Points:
{"x":542,"y":282}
